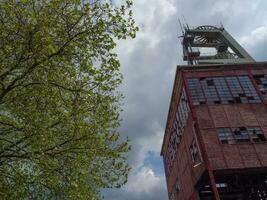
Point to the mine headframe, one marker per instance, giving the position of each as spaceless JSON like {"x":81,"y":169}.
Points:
{"x":198,"y":42}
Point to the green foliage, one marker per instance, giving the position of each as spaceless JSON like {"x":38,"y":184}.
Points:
{"x":59,"y":108}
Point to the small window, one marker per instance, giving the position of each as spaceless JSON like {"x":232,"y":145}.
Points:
{"x":256,"y":134}
{"x":177,"y":187}
{"x":226,"y":136}
{"x":172,"y":196}
{"x":175,"y":190}
{"x":194,"y":152}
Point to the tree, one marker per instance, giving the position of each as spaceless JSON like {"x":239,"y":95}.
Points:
{"x":59,"y":104}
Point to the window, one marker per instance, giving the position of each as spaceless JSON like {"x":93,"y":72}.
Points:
{"x":196,"y":91}
{"x":226,"y":136}
{"x":194,"y":151}
{"x":240,"y":134}
{"x":261,"y":81}
{"x":249,"y":89}
{"x":177,"y":131}
{"x":175,"y":191}
{"x":172,"y":196}
{"x":222,"y":90}
{"x":256,"y":134}
{"x":209,"y":90}
{"x":177,"y":187}
{"x":236,"y":90}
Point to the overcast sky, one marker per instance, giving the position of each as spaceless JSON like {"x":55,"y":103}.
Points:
{"x":148,"y":64}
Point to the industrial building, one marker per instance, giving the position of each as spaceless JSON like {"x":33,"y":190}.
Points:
{"x":215,"y":142}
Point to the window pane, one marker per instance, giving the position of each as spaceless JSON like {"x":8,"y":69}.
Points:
{"x":249,"y":90}
{"x":196,"y":91}
{"x":256,"y":134}
{"x":236,"y":90}
{"x":261,"y":81}
{"x":223,"y":90}
{"x":225,"y":135}
{"x":210,"y":92}
{"x":241,"y":134}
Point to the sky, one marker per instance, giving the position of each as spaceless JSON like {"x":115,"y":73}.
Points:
{"x":148,"y":64}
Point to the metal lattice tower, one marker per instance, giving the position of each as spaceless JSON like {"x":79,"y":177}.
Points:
{"x":225,"y":48}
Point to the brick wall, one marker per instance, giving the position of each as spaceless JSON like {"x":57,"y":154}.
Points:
{"x":209,"y":118}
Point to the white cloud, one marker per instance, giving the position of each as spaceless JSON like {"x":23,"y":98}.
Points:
{"x":145,"y":181}
{"x":144,"y":184}
{"x":256,"y":42}
{"x":256,"y":36}
{"x":234,"y":8}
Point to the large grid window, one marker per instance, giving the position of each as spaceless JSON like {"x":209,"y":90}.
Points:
{"x":240,"y":134}
{"x":222,"y":90}
{"x":261,"y":81}
{"x":177,"y":130}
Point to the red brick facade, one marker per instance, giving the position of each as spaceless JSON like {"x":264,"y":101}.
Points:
{"x":202,"y":124}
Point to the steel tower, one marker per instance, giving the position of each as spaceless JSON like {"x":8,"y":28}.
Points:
{"x":226,"y":48}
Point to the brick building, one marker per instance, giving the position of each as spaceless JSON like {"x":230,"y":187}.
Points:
{"x":215,"y":143}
